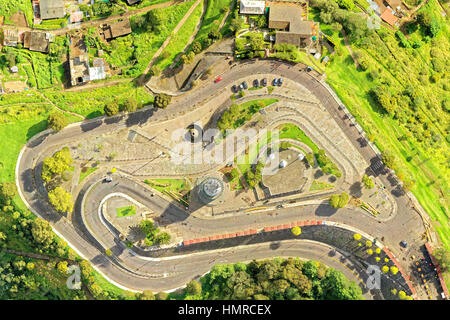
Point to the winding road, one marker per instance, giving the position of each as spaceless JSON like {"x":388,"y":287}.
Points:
{"x":88,"y":235}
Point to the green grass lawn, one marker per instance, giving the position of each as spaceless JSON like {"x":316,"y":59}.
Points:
{"x":86,"y":173}
{"x":9,"y":7}
{"x":318,"y":185}
{"x":90,"y":103}
{"x":245,"y":161}
{"x":291,"y":131}
{"x":352,"y":88}
{"x":126,"y":211}
{"x":180,"y":39}
{"x":135,"y":51}
{"x":213,"y":17}
{"x":173,"y":185}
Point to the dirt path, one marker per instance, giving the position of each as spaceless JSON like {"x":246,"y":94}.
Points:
{"x":166,"y":42}
{"x":222,"y":23}
{"x":63,"y":111}
{"x":97,"y":85}
{"x":344,"y":35}
{"x":191,"y":39}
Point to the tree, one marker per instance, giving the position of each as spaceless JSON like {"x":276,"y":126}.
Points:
{"x":157,"y":20}
{"x":296,"y":231}
{"x":234,"y":174}
{"x":147,"y":227}
{"x":62,"y":267}
{"x":236,"y":25}
{"x":188,"y":58}
{"x":61,"y":200}
{"x":131,"y":104}
{"x":56,"y":164}
{"x":162,"y":100}
{"x":196,"y":47}
{"x":162,"y":238}
{"x":408,"y":184}
{"x":10,"y":57}
{"x":42,"y":232}
{"x":161,"y":295}
{"x":193,"y":288}
{"x":336,"y":287}
{"x":214,"y":35}
{"x":368,"y":183}
{"x":388,"y":159}
{"x":155,"y":71}
{"x":147,"y":295}
{"x":394,"y":270}
{"x":8,"y":190}
{"x":442,"y":256}
{"x":111,"y":108}
{"x":339,"y":201}
{"x":56,"y":121}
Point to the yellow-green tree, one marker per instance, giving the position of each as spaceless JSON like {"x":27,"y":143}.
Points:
{"x":385,"y":269}
{"x":61,"y":200}
{"x":402,"y":295}
{"x":357,"y":236}
{"x":394,"y":270}
{"x":296,"y":231}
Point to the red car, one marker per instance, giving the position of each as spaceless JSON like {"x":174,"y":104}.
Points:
{"x":218,"y":79}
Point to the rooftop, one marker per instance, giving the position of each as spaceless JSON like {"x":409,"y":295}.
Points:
{"x":51,"y":9}
{"x":291,"y":17}
{"x":252,"y":7}
{"x":389,"y":17}
{"x":118,"y":29}
{"x":38,"y":41}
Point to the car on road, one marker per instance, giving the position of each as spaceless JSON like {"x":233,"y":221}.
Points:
{"x":404,"y":244}
{"x":218,"y":79}
{"x":308,"y":69}
{"x":275,"y":82}
{"x":264,"y":82}
{"x":107,"y":179}
{"x":280,"y":82}
{"x":244,"y":84}
{"x":256,"y":83}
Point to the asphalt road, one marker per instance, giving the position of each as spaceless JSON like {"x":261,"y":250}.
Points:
{"x":133,"y":272}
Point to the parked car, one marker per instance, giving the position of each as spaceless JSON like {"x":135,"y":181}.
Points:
{"x":218,"y":79}
{"x":107,"y":179}
{"x":280,"y":82}
{"x":234,"y":89}
{"x":241,"y":87}
{"x":256,"y":83}
{"x":245,"y":85}
{"x":308,"y":69}
{"x":404,"y":244}
{"x":264,"y":82}
{"x":275,"y":82}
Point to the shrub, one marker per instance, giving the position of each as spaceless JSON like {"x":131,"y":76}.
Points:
{"x":162,"y":100}
{"x":111,"y":109}
{"x":296,"y":231}
{"x":56,"y":121}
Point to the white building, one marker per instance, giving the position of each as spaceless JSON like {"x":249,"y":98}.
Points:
{"x":252,"y":7}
